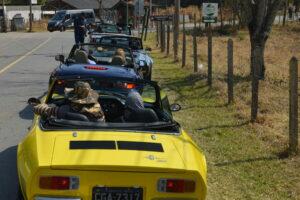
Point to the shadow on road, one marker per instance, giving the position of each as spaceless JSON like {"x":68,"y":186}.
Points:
{"x":8,"y":173}
{"x":26,"y":113}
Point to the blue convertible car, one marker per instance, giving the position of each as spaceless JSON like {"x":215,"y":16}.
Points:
{"x":97,"y":60}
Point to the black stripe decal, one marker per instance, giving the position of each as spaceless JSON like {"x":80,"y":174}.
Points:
{"x":92,"y":145}
{"x":140,"y":146}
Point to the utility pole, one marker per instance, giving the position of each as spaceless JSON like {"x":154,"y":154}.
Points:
{"x":176,"y":29}
{"x":150,"y":7}
{"x":30,"y":16}
{"x":100,"y":9}
{"x":127,"y":14}
{"x":4,"y":18}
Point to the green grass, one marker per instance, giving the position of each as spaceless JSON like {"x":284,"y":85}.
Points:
{"x":241,"y":164}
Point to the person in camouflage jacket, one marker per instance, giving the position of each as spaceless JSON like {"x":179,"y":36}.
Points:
{"x":80,"y":100}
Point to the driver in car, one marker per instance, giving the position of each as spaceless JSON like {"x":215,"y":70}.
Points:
{"x":81,"y":104}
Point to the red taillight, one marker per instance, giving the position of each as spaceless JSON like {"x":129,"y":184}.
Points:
{"x":176,"y":185}
{"x":59,"y":183}
{"x":130,"y":85}
{"x":60,"y":82}
{"x":95,"y":68}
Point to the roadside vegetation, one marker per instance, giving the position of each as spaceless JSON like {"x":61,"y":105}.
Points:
{"x":245,"y":160}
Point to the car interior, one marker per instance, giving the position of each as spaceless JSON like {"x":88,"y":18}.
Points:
{"x":112,"y":98}
{"x":101,"y":55}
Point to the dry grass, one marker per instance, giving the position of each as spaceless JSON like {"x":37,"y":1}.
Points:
{"x":38,"y":26}
{"x":281,"y":46}
{"x":245,"y":160}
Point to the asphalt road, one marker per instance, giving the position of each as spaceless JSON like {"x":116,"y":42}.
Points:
{"x":26,"y":59}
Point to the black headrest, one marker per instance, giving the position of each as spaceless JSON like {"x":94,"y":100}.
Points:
{"x":143,"y":116}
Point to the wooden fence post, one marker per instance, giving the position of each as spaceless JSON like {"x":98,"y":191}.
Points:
{"x":176,"y":30}
{"x":230,"y":71}
{"x":147,"y":24}
{"x":157,"y":33}
{"x":293,"y":121}
{"x":183,"y":44}
{"x":195,"y":54}
{"x":162,"y":38}
{"x":168,"y":38}
{"x":209,"y":53}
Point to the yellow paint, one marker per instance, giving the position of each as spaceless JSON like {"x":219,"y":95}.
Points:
{"x":44,"y":153}
{"x":24,"y":56}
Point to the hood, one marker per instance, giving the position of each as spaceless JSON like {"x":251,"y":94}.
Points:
{"x":116,"y":152}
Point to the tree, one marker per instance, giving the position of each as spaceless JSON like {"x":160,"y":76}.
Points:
{"x":260,"y":15}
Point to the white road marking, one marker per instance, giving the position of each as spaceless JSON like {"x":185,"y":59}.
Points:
{"x":24,"y":56}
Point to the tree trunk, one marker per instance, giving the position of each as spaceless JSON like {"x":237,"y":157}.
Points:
{"x":285,"y":12}
{"x":221,"y":16}
{"x":256,"y":66}
{"x":258,"y":57}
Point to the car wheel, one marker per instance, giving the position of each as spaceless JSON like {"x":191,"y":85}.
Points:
{"x":62,"y":28}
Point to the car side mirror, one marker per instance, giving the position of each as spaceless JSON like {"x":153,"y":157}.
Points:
{"x":33,"y":101}
{"x":175,"y":107}
{"x":60,"y":58}
{"x":148,"y":49}
{"x":142,"y":63}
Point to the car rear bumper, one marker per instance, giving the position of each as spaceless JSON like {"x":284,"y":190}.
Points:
{"x":91,"y":179}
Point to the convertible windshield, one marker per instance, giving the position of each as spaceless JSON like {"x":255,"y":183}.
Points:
{"x":125,"y":105}
{"x":107,"y":28}
{"x":102,"y":54}
{"x":113,"y":88}
{"x":129,"y":42}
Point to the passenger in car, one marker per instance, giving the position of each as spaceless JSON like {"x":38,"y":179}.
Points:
{"x":81,"y":104}
{"x":135,"y":110}
{"x":119,"y":57}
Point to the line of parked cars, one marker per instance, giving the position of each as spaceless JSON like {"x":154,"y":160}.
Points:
{"x":149,"y":158}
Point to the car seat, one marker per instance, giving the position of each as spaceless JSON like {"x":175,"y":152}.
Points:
{"x":142,"y":116}
{"x":117,"y":60}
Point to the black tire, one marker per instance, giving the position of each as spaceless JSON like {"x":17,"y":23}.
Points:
{"x":62,"y":29}
{"x":20,"y":194}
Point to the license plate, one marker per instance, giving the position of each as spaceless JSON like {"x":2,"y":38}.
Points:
{"x":117,"y":193}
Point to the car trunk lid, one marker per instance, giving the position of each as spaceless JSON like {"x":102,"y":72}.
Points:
{"x":116,"y":152}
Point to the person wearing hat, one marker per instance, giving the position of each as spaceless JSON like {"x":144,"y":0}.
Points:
{"x":81,"y":104}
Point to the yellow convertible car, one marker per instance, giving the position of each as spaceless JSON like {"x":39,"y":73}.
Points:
{"x":67,"y":159}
